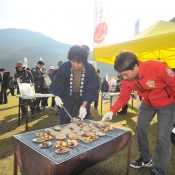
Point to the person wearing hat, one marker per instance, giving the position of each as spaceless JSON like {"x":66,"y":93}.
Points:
{"x":155,"y":83}
{"x":24,"y":76}
{"x":75,"y":85}
{"x":38,"y":82}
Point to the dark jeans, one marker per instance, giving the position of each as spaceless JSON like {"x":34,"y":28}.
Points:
{"x":53,"y":102}
{"x":44,"y":101}
{"x":12,"y":91}
{"x":165,"y":119}
{"x":96,"y":101}
{"x":38,"y":100}
{"x":3,"y":96}
{"x":23,"y":106}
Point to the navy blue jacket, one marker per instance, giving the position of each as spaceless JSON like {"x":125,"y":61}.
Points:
{"x":61,"y":83}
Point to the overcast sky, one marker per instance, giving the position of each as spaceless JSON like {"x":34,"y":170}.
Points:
{"x":72,"y":21}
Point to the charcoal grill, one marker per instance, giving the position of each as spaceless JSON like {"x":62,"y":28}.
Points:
{"x":25,"y":139}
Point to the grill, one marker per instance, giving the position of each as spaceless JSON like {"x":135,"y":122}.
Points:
{"x":49,"y":153}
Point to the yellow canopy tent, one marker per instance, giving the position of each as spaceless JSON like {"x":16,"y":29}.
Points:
{"x":157,"y":42}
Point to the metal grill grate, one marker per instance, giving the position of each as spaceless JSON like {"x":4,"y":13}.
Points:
{"x":82,"y":147}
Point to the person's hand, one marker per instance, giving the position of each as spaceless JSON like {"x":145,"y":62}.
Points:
{"x":58,"y":101}
{"x":82,"y":112}
{"x":107,"y":116}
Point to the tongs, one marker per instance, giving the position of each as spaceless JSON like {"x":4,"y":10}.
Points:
{"x":73,"y":120}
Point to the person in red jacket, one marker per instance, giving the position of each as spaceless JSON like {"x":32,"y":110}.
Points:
{"x":155,"y":83}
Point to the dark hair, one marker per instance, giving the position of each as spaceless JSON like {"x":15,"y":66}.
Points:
{"x":2,"y":69}
{"x":78,"y":53}
{"x":40,"y":62}
{"x":125,"y":61}
{"x":86,"y":47}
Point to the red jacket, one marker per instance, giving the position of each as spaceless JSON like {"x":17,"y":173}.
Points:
{"x":156,"y":86}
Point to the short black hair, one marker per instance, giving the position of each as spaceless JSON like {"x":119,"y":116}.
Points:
{"x":40,"y":62}
{"x":78,"y":53}
{"x":125,"y":61}
{"x":86,"y":47}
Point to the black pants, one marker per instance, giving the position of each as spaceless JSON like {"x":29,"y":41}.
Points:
{"x":44,"y":101}
{"x":96,"y":102}
{"x":72,"y":105}
{"x":3,"y":96}
{"x":12,"y":91}
{"x":23,"y":106}
{"x":38,"y":100}
{"x":53,"y":102}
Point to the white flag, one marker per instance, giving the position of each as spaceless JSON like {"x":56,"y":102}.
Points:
{"x":25,"y":62}
{"x":101,"y":26}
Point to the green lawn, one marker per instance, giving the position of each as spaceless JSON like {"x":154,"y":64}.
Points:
{"x":116,"y":164}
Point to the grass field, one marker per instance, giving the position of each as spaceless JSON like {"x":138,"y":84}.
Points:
{"x":116,"y":164}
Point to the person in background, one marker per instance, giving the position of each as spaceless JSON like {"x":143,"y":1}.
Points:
{"x":155,"y":83}
{"x":44,"y":101}
{"x":99,"y":88}
{"x":24,"y":76}
{"x":54,"y":71}
{"x":4,"y":86}
{"x":2,"y":70}
{"x":52,"y":74}
{"x":11,"y":86}
{"x":1,"y":78}
{"x":104,"y":85}
{"x":104,"y":88}
{"x":75,"y":85}
{"x":38,"y":82}
{"x":124,"y":109}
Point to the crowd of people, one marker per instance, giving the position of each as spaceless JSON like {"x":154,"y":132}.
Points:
{"x":37,"y":76}
{"x":43,"y":80}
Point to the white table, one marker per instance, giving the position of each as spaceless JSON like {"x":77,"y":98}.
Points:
{"x":111,"y":95}
{"x":27,"y":98}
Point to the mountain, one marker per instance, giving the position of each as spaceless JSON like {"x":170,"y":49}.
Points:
{"x":15,"y":44}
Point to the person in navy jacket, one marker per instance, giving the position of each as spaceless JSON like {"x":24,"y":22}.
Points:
{"x":75,"y":85}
